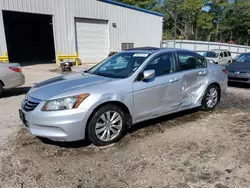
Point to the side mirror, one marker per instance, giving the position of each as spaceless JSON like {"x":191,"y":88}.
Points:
{"x":148,"y":74}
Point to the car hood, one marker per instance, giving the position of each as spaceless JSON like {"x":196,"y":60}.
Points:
{"x":241,"y":67}
{"x":51,"y":88}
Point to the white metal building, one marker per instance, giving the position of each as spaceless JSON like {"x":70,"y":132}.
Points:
{"x":31,"y":30}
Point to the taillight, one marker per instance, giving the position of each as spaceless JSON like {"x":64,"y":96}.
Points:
{"x":225,"y":71}
{"x":15,"y":68}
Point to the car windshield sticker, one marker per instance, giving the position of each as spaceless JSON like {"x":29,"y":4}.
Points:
{"x":140,"y":55}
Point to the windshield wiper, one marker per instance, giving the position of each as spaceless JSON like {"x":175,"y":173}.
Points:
{"x":100,"y":74}
{"x":108,"y":75}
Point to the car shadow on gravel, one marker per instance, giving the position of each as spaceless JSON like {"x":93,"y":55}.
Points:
{"x":239,"y":85}
{"x":15,"y":92}
{"x":168,"y":121}
{"x":76,"y":144}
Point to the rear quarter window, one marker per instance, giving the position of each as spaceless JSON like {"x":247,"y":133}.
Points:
{"x":202,"y":62}
{"x":189,"y":60}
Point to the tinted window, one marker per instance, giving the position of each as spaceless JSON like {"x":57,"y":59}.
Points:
{"x":229,"y":53}
{"x":202,"y":62}
{"x":162,"y":64}
{"x":210,"y":54}
{"x":189,"y":61}
{"x":225,"y":54}
{"x":221,"y":55}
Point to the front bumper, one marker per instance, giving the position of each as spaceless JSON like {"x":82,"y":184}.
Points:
{"x":67,"y":125}
{"x":239,"y":80}
{"x":239,"y":77}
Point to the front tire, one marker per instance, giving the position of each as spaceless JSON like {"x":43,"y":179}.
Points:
{"x":107,"y":125}
{"x":211,"y":98}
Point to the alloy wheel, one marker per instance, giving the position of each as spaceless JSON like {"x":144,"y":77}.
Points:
{"x":108,"y":126}
{"x":212,"y":97}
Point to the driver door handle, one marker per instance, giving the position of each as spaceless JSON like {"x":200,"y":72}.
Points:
{"x":172,"y":80}
{"x":202,"y":73}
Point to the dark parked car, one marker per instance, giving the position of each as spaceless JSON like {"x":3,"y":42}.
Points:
{"x":239,"y":70}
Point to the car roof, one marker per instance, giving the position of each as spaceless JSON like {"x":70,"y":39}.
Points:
{"x":151,"y":50}
{"x":144,"y":48}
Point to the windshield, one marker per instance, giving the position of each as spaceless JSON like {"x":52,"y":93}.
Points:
{"x":121,"y":65}
{"x":244,"y":58}
{"x":210,"y":54}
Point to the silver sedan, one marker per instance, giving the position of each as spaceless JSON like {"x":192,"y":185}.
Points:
{"x":127,"y":88}
{"x":10,"y":76}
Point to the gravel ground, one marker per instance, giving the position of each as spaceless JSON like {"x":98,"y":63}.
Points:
{"x":188,"y":149}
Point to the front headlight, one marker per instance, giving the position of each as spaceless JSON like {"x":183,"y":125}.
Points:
{"x":64,"y":103}
{"x":211,"y":61}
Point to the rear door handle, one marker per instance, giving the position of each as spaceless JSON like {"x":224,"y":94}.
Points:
{"x":202,"y":73}
{"x":172,"y":80}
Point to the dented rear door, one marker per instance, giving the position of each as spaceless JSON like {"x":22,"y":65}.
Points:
{"x":193,"y":77}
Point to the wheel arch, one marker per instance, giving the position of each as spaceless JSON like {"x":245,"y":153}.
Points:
{"x":118,"y":103}
{"x":1,"y":82}
{"x":217,"y":85}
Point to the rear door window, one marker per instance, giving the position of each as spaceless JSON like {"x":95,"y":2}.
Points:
{"x":221,"y":55}
{"x":225,"y":54}
{"x":189,"y":60}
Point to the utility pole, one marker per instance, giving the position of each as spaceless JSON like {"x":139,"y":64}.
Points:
{"x":196,"y":33}
{"x":175,"y":30}
{"x":217,"y":29}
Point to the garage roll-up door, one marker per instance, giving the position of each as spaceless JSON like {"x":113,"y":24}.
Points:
{"x":92,"y":40}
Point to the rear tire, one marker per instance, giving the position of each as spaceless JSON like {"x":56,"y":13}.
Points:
{"x":211,"y":98}
{"x":108,"y":125}
{"x":1,"y":89}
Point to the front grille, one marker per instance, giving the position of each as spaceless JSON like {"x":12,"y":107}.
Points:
{"x":30,"y":103}
{"x":238,"y":79}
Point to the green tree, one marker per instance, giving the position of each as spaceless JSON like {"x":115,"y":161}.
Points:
{"x":205,"y":28}
{"x":231,"y":19}
{"x":236,"y":22}
{"x":182,"y":16}
{"x":172,"y":25}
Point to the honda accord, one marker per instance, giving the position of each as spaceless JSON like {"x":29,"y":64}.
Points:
{"x":129,"y":87}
